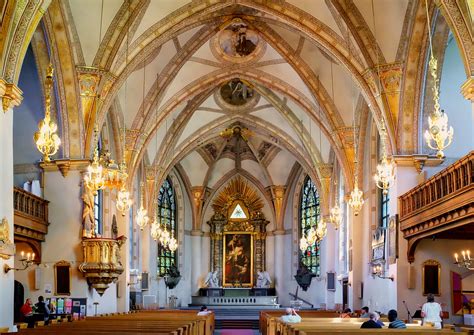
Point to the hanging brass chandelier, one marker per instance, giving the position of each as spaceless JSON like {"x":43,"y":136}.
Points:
{"x":385,"y":176}
{"x":439,"y":134}
{"x":313,"y":235}
{"x":46,"y":139}
{"x":123,"y":202}
{"x":94,"y":178}
{"x":142,"y":214}
{"x":356,"y":200}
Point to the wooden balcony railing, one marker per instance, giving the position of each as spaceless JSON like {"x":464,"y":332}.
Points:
{"x":31,"y":218}
{"x":445,"y":199}
{"x":30,"y":205}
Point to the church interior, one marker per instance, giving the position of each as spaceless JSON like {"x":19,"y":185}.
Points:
{"x":245,"y":155}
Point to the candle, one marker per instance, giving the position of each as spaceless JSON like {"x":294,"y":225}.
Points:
{"x":22,"y":254}
{"x":469,"y":254}
{"x":33,"y":256}
{"x":463,"y":254}
{"x":28,"y":256}
{"x":456,"y":257}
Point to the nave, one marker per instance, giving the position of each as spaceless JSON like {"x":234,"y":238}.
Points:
{"x":159,"y":156}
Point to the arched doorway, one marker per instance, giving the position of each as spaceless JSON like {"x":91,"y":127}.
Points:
{"x":18,"y":300}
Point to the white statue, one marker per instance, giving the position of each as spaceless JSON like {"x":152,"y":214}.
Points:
{"x":211,"y":280}
{"x":263,"y":279}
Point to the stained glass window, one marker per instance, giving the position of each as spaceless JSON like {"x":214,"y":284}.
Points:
{"x":310,"y":214}
{"x":167,"y":217}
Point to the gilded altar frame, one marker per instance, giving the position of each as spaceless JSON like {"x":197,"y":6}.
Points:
{"x":225,"y":281}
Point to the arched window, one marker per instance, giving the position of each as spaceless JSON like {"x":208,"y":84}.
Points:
{"x":167,"y":217}
{"x":98,"y":201}
{"x":310,"y":214}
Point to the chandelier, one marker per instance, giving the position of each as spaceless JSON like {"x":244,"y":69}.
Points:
{"x":466,"y":261}
{"x":123,"y":202}
{"x":94,"y":178}
{"x":313,"y":235}
{"x":385,"y":176}
{"x":46,"y":139}
{"x":356,"y":200}
{"x":439,"y":134}
{"x":142,"y":214}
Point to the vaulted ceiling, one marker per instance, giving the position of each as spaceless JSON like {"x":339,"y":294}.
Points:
{"x":174,"y":74}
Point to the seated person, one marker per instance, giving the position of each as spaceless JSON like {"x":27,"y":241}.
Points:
{"x":42,"y":308}
{"x":394,"y":322}
{"x":364,"y":312}
{"x":377,"y":319}
{"x":291,"y":316}
{"x":372,"y":322}
{"x":346,"y":314}
{"x":26,"y":310}
{"x":203,"y":311}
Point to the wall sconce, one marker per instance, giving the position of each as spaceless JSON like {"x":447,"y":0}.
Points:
{"x":378,"y":271}
{"x":26,"y":262}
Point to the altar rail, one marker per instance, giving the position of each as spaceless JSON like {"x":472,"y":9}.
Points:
{"x":31,"y":219}
{"x":268,"y":301}
{"x":442,"y":202}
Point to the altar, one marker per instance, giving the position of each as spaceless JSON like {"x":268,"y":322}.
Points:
{"x":237,"y":251}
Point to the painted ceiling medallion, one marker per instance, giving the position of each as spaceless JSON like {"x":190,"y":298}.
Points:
{"x":237,"y":95}
{"x":238,"y":43}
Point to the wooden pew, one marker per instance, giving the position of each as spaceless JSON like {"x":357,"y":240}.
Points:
{"x":151,"y":322}
{"x":268,"y":318}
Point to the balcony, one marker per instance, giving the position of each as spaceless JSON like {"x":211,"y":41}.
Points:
{"x":443,"y":205}
{"x":31,"y":219}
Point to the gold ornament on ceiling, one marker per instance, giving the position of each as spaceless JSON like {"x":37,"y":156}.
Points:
{"x":230,"y":132}
{"x":238,"y":189}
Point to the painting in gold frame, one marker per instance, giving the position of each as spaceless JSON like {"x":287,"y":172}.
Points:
{"x":431,"y":277}
{"x":238,"y":259}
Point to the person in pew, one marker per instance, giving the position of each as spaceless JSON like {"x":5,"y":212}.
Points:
{"x":432,"y":312}
{"x":372,"y":322}
{"x":203,"y":311}
{"x":346,"y":314}
{"x":394,"y":321}
{"x":364,"y":312}
{"x":42,"y":308}
{"x":377,"y":319}
{"x":291,"y":316}
{"x":26,"y":312}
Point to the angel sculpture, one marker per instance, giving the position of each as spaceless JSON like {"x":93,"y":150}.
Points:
{"x":263,"y":279}
{"x":211,"y":280}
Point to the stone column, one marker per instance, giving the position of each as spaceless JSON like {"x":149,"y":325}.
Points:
{"x":11,"y":96}
{"x":279,"y":256}
{"x":197,"y":270}
{"x":123,"y":300}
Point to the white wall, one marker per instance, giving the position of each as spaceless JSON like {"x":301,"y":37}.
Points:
{"x":63,"y":242}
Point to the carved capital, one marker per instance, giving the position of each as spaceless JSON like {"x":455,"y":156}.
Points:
{"x":325,"y":170}
{"x":11,"y":95}
{"x":467,"y":89}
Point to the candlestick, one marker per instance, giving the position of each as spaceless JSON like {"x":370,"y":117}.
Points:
{"x":456,"y":257}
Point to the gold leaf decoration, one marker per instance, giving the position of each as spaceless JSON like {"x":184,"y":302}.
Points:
{"x":238,"y":189}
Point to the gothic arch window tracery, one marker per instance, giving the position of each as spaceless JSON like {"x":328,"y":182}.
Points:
{"x":167,"y":217}
{"x":310,"y":214}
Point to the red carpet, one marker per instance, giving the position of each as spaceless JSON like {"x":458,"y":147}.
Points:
{"x":237,"y":332}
